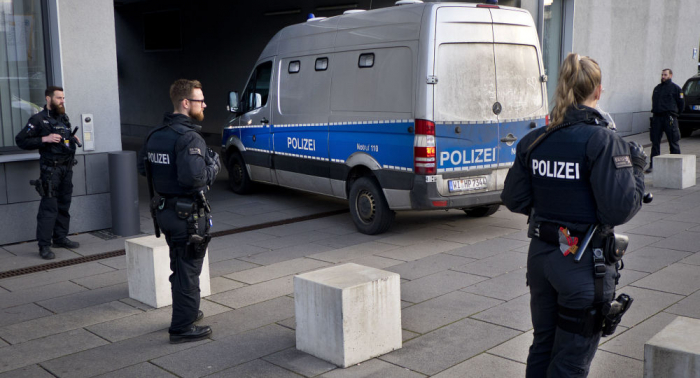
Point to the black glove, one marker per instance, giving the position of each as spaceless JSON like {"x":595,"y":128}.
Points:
{"x":213,"y":160}
{"x":639,"y":157}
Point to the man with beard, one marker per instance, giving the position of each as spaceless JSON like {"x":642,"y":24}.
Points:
{"x":181,"y":169}
{"x":666,"y":103}
{"x":50,"y":132}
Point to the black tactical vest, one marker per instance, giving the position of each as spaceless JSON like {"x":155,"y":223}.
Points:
{"x":58,"y":151}
{"x":560,"y":176}
{"x":160,"y":149}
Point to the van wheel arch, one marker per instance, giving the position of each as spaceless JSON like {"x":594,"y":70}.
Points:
{"x":369,"y":208}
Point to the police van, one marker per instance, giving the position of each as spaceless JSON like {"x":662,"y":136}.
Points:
{"x":411,"y":107}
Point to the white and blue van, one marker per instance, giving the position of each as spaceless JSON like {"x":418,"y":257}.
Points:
{"x":412,"y":107}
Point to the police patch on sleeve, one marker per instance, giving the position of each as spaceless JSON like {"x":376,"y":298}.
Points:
{"x":195,"y":151}
{"x":622,"y":161}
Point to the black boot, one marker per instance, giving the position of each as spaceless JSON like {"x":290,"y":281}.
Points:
{"x":46,"y":253}
{"x":195,"y":333}
{"x":65,"y":243}
{"x":200,"y":315}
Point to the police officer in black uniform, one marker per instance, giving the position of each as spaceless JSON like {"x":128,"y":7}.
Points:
{"x":182,"y":168}
{"x":666,"y":103}
{"x":566,"y":177}
{"x":50,"y":132}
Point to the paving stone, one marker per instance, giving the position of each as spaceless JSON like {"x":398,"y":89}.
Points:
{"x":100,"y":247}
{"x":488,"y":248}
{"x":36,"y":294}
{"x":684,"y":241}
{"x":261,"y":314}
{"x":222,"y":284}
{"x":103,"y":280}
{"x":220,"y":268}
{"x":21,"y":313}
{"x":292,"y":240}
{"x":32,"y":352}
{"x":54,"y":276}
{"x":136,"y":304}
{"x":377,"y":262}
{"x":353,"y":252}
{"x":256,"y":369}
{"x":269,"y":272}
{"x":371,"y":369}
{"x":347,"y":239}
{"x":512,"y":314}
{"x":606,"y":365}
{"x":629,"y":276}
{"x":143,"y":323}
{"x":117,"y":262}
{"x":288,"y":323}
{"x":225,"y":353}
{"x":651,"y":259}
{"x":32,"y":371}
{"x":428,"y":265}
{"x":257,"y":293}
{"x":678,"y":278}
{"x":519,"y":236}
{"x":436,"y":284}
{"x":478,"y":234}
{"x":300,"y":362}
{"x":689,"y":306}
{"x":646,"y":304}
{"x":515,"y":349}
{"x":51,"y":325}
{"x":285,"y":254}
{"x":495,"y":265}
{"x":418,"y":236}
{"x":226,"y":253}
{"x":631,"y":342}
{"x":115,"y":356}
{"x":446,"y":347}
{"x":234,"y":241}
{"x":661,"y":228}
{"x":86,"y":298}
{"x":440,"y":311}
{"x":408,"y":335}
{"x":693,"y":259}
{"x":504,"y":287}
{"x":144,"y":369}
{"x":484,"y":366}
{"x":3,"y":343}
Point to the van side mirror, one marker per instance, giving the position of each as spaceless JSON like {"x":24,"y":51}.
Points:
{"x":233,"y":102}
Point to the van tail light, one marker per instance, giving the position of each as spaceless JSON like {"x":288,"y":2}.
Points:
{"x":424,"y":148}
{"x":546,"y":120}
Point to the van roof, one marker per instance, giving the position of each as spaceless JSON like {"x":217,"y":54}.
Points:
{"x":394,"y":23}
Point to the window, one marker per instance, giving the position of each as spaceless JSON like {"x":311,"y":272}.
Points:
{"x":692,"y":88}
{"x":22,"y":66}
{"x":366,"y":60}
{"x":321,"y":64}
{"x":294,"y":67}
{"x":258,"y":89}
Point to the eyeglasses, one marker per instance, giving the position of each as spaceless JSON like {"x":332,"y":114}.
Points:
{"x":191,"y":99}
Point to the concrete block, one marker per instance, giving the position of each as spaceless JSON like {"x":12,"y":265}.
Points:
{"x":674,"y":171}
{"x":148,"y":269}
{"x":348,"y":313}
{"x":674,"y":351}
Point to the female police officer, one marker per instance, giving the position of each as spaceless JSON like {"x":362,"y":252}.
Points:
{"x":568,"y":176}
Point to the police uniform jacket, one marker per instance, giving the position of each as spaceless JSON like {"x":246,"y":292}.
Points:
{"x":579,"y":175}
{"x":177,"y":156}
{"x":667,"y":99}
{"x":42,"y":124}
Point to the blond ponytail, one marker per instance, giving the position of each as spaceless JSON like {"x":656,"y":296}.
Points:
{"x":579,"y":76}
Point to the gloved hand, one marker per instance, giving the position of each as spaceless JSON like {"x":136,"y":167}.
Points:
{"x":639,"y":157}
{"x":212,"y":160}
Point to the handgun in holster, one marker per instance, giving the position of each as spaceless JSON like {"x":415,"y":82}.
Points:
{"x":612,"y":313}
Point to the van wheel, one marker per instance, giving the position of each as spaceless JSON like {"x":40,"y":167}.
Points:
{"x":238,"y":179}
{"x":481,"y":211}
{"x":368,"y":207}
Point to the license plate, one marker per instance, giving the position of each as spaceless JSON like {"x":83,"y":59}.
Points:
{"x":696,"y":107}
{"x":472,"y":183}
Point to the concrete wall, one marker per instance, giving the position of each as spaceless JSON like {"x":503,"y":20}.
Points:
{"x":87,"y":52}
{"x":633,"y":40}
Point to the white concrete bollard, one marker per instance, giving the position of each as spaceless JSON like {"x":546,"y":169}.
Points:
{"x":148,"y":270}
{"x":674,"y":351}
{"x":674,"y":171}
{"x":348,"y":313}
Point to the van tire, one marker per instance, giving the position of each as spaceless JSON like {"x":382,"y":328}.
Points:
{"x":368,"y":207}
{"x":238,"y":179}
{"x":482,"y":211}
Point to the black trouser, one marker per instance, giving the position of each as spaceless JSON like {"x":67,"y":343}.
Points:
{"x":53,"y":218}
{"x":664,"y":124}
{"x":184,"y":280}
{"x":555,"y":280}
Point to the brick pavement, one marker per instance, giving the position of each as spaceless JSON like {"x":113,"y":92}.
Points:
{"x":465,"y":303}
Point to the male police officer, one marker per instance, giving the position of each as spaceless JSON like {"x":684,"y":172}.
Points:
{"x":49,"y":131}
{"x":181,"y":170}
{"x":666,"y":103}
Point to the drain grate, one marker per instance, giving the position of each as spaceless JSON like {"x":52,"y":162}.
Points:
{"x":60,"y":264}
{"x":107,"y":235}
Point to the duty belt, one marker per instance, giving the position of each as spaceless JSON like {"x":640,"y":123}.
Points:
{"x":58,"y":162}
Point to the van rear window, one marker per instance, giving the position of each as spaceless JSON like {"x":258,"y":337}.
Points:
{"x":692,"y":88}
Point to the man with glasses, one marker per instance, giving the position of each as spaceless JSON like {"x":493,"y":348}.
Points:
{"x":50,"y":132}
{"x":666,"y":103}
{"x":181,"y":168}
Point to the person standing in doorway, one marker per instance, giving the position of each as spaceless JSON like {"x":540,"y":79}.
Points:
{"x":666,"y":103}
{"x":50,"y":132}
